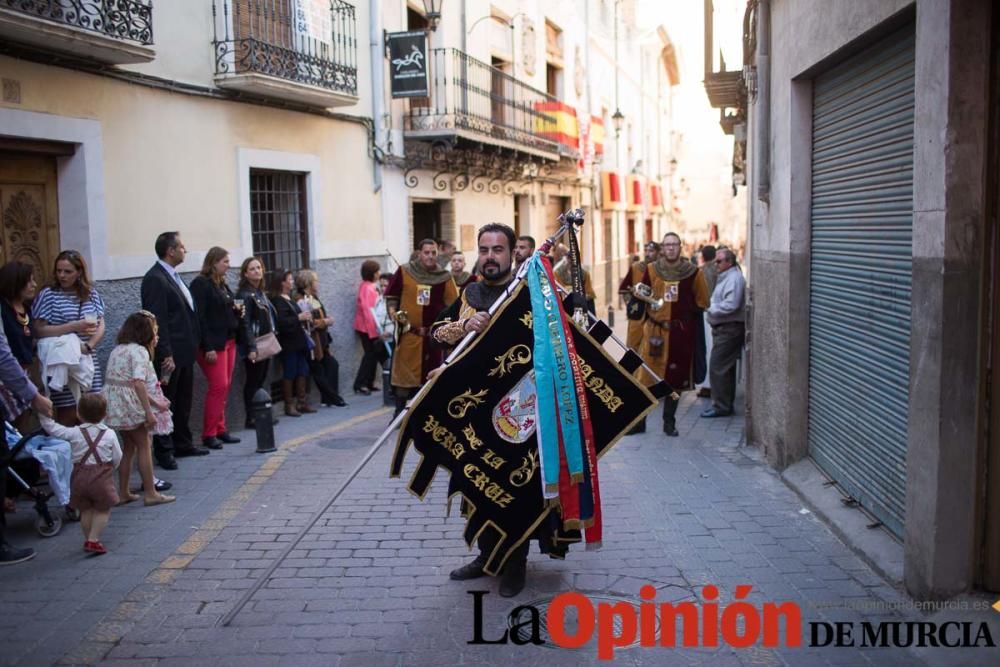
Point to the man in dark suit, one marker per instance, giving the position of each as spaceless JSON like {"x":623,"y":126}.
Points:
{"x":165,"y":295}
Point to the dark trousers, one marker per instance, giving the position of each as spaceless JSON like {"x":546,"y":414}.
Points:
{"x":256,"y":375}
{"x":727,"y":344}
{"x":178,"y":391}
{"x":374,"y":354}
{"x":670,"y":413}
{"x":487,"y":542}
{"x":326,"y":374}
{"x":403,"y":394}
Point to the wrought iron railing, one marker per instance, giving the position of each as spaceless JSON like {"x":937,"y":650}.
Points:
{"x":313,"y":42}
{"x":122,"y":19}
{"x":467,"y":94}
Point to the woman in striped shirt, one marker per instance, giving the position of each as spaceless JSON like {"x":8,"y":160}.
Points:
{"x":70,"y":304}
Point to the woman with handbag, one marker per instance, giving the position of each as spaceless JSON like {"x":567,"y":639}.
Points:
{"x":218,"y":320}
{"x":257,"y":341}
{"x":291,"y":326}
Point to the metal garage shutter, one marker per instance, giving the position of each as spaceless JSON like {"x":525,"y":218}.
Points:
{"x":860,"y":274}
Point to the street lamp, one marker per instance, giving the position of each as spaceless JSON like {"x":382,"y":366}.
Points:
{"x":432,"y":10}
{"x":618,"y":119}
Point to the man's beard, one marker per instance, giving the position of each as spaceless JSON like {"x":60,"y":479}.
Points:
{"x":499,"y":275}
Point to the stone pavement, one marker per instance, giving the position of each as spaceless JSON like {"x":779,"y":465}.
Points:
{"x":368,"y":583}
{"x":50,"y":604}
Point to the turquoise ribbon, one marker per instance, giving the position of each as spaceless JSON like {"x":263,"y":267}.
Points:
{"x":553,"y":378}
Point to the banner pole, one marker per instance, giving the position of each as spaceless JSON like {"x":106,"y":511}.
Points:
{"x":567,"y":219}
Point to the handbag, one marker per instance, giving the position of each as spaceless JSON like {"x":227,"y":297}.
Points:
{"x":267,"y":346}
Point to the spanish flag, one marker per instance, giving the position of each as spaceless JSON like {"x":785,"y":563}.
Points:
{"x":597,"y":134}
{"x":635,"y":185}
{"x":612,"y":191}
{"x":558,"y":123}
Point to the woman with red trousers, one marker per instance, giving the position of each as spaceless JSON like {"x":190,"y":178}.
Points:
{"x":219,"y":319}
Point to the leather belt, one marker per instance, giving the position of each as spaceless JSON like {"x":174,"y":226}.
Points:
{"x":668,"y":325}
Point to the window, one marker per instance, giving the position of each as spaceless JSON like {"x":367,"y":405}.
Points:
{"x":553,"y":80}
{"x":553,"y":41}
{"x":279,"y":220}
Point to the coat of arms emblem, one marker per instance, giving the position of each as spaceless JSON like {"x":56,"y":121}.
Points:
{"x":514,"y":416}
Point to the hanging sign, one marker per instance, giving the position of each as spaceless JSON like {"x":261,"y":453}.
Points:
{"x":408,"y":63}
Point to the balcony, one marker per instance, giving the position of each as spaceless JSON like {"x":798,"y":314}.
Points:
{"x":472,"y":101}
{"x":302,"y":51}
{"x":115,"y":32}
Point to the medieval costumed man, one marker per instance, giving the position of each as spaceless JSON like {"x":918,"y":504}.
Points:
{"x":470,"y":313}
{"x":416,"y":293}
{"x":458,"y":272}
{"x":520,"y":413}
{"x":635,"y":309}
{"x":678,"y":293}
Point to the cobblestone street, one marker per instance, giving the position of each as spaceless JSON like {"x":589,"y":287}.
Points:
{"x":368,"y":583}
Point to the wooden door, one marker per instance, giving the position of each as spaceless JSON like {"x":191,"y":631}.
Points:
{"x":29,"y":215}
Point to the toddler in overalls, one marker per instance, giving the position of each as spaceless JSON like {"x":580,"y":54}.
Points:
{"x":95,"y":455}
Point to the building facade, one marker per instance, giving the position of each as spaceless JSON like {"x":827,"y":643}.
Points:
{"x":268,"y":127}
{"x":517,"y":127}
{"x":240,"y":124}
{"x":871,"y":164}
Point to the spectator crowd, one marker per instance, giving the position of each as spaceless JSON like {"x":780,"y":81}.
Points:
{"x":135,"y":409}
{"x":103,"y":420}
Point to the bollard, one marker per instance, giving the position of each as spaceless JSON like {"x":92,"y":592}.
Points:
{"x":611,"y":316}
{"x":261,"y":408}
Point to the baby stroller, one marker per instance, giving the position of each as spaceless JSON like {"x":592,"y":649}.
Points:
{"x":25,"y":471}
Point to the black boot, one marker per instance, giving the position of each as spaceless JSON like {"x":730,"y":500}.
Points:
{"x":472,"y":570}
{"x":512,"y":579}
{"x":402,"y":396}
{"x":669,"y":416}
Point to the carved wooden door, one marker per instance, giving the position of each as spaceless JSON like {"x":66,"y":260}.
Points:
{"x":29,"y":216}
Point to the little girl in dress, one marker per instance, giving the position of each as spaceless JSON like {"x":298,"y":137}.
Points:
{"x":136,"y":404}
{"x":95,"y":453}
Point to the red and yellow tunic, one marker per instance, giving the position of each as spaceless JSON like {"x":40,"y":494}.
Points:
{"x":633,"y":337}
{"x":415,"y":354}
{"x":672,"y":327}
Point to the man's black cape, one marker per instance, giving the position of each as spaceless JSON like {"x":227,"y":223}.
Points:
{"x":476,"y":420}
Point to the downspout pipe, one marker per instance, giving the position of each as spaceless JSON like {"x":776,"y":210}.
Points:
{"x":378,"y":87}
{"x":762,"y":127}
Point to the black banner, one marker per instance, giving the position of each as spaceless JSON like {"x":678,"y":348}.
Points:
{"x":408,"y":63}
{"x":477,"y":420}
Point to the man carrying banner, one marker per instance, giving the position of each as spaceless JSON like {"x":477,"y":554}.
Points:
{"x":679,"y":290}
{"x":416,"y":293}
{"x":520,"y":413}
{"x":469,"y":314}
